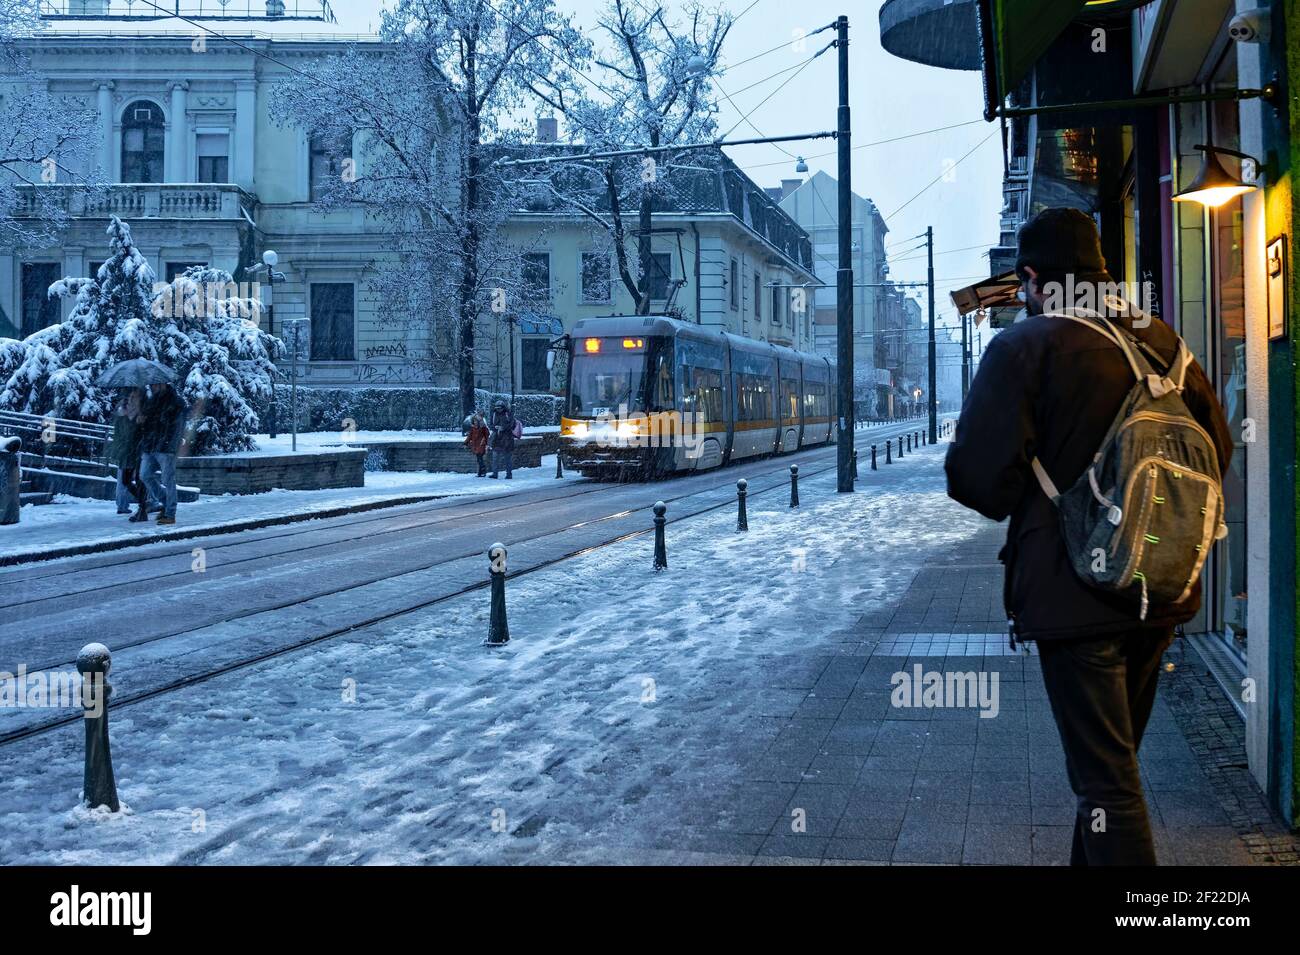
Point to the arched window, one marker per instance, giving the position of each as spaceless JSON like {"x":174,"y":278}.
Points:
{"x":143,"y":134}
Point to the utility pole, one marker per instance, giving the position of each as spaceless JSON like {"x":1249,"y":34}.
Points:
{"x":965,"y":357}
{"x":929,"y":281}
{"x":844,"y":274}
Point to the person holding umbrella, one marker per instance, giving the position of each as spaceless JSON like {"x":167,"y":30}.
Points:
{"x":124,"y":451}
{"x":161,"y":428}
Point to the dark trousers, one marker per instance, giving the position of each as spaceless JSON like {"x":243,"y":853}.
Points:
{"x":1101,"y":692}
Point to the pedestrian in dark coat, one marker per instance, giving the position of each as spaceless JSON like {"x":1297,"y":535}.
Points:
{"x":124,"y":451}
{"x":503,"y":439}
{"x":476,"y":439}
{"x":1049,"y":387}
{"x":161,"y":435}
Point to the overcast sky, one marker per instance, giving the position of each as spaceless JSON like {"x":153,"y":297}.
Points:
{"x":889,"y":97}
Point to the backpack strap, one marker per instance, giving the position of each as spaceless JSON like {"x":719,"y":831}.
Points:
{"x":1159,"y":385}
{"x":1044,"y":479}
{"x":1105,"y":329}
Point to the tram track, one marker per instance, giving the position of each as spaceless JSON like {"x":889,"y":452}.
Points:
{"x":770,"y":468}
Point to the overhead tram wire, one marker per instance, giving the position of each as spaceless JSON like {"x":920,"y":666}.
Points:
{"x":939,"y":177}
{"x":878,"y":142}
{"x":778,"y":89}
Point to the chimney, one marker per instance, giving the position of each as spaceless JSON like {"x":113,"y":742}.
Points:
{"x":274,"y":9}
{"x":548,"y":129}
{"x":789,"y":185}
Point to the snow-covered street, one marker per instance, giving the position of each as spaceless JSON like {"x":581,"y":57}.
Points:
{"x":625,"y":700}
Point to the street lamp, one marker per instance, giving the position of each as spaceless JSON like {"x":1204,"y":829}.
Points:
{"x":1214,"y":185}
{"x":269,"y":261}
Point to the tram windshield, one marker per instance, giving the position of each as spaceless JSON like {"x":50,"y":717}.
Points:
{"x":608,"y":380}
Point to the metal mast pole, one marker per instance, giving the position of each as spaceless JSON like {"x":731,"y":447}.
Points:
{"x":929,"y":280}
{"x":844,"y":274}
{"x":965,"y":357}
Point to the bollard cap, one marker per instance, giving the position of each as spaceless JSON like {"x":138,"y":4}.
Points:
{"x":742,"y":484}
{"x":94,"y":658}
{"x":660,"y":508}
{"x":794,"y":469}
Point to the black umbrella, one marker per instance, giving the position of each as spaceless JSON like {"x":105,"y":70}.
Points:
{"x":136,"y":373}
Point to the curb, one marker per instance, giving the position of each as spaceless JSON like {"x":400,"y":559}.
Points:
{"x":212,"y":530}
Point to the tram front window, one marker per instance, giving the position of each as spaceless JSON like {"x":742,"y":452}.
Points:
{"x":604,"y":384}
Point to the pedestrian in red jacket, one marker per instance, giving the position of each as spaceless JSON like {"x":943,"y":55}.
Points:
{"x":476,"y":439}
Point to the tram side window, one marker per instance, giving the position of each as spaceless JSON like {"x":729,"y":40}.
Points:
{"x":790,"y":399}
{"x":755,"y":397}
{"x":816,"y":403}
{"x":702,"y":393}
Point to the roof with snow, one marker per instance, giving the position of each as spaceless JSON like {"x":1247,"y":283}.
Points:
{"x":301,"y":19}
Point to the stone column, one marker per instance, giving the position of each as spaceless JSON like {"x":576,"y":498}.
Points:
{"x":244,"y":145}
{"x":105,"y":100}
{"x":178,"y":148}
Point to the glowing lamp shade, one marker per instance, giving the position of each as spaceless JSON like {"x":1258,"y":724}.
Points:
{"x":1213,"y":185}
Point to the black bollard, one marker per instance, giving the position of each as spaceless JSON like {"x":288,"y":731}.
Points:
{"x":794,"y":485}
{"x":888,"y":452}
{"x":742,"y":491}
{"x":855,"y":464}
{"x":98,"y":788}
{"x":498,"y":629}
{"x":559,"y":464}
{"x":900,"y":449}
{"x":873,"y":457}
{"x":909,"y":441}
{"x":661,"y":547}
{"x":11,"y":480}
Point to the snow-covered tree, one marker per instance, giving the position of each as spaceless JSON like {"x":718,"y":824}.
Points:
{"x":428,"y":115}
{"x":652,"y":87}
{"x":47,"y":141}
{"x":209,"y":337}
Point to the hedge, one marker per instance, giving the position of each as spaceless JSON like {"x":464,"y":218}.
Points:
{"x":399,"y":409}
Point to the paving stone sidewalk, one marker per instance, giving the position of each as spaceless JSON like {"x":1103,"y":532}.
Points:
{"x":850,"y":778}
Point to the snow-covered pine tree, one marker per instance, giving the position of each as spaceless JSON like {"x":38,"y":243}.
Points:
{"x":109,"y":323}
{"x":209,"y":337}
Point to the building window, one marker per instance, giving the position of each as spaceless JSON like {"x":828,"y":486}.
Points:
{"x":595,"y":277}
{"x":143,"y":136}
{"x":537,"y":275}
{"x":735,"y":285}
{"x":213,"y":153}
{"x":177,"y":268}
{"x":758,"y":295}
{"x":39,"y":310}
{"x":776,"y":305}
{"x":327,"y":157}
{"x":535,"y":375}
{"x":661,"y":273}
{"x":333,"y":318}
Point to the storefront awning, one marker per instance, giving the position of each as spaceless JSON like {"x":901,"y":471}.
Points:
{"x":1015,"y":33}
{"x":996,"y":291}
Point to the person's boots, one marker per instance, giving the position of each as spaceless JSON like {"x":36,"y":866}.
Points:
{"x":141,"y":514}
{"x":164,"y":519}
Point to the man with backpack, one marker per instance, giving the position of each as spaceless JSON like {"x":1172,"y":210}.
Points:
{"x":1096,"y":432}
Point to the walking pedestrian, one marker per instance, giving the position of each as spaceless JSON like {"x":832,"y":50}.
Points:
{"x":503,"y":439}
{"x":124,"y":451}
{"x":161,"y":435}
{"x":1040,"y":407}
{"x":476,"y":439}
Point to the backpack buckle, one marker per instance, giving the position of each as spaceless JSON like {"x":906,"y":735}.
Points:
{"x":1115,"y":515}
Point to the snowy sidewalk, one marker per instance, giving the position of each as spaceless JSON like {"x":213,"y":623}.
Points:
{"x":734,"y":708}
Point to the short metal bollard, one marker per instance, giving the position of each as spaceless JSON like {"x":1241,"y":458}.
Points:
{"x":900,"y":448}
{"x":889,"y":459}
{"x":661,"y":547}
{"x":873,"y":458}
{"x":742,"y":518}
{"x":98,"y":787}
{"x":855,"y":464}
{"x":11,"y":480}
{"x":909,"y":441}
{"x":498,"y":629}
{"x":794,"y":485}
{"x":559,"y":464}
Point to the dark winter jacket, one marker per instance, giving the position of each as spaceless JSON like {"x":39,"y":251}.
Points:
{"x":124,"y":446}
{"x":1050,"y":387}
{"x":503,"y":430}
{"x":164,"y":423}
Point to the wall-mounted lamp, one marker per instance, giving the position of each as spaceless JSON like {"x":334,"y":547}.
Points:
{"x":1214,"y":185}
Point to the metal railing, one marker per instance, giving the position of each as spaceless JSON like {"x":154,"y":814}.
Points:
{"x":45,"y":431}
{"x":206,"y":9}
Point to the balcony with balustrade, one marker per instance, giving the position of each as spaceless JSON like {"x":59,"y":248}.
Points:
{"x":319,"y":10}
{"x":190,"y":201}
